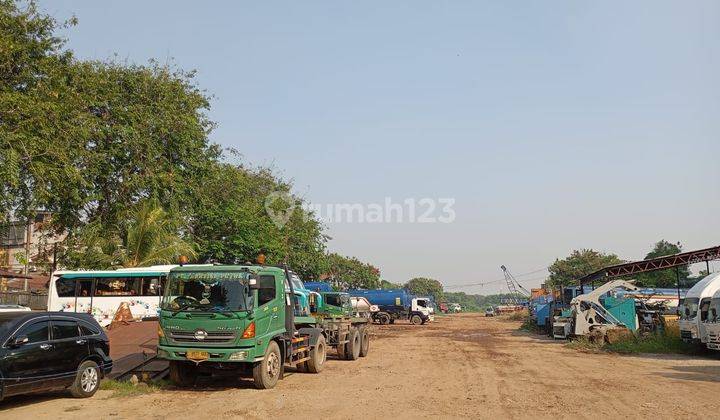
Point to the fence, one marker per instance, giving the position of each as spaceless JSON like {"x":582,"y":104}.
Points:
{"x":34,"y":301}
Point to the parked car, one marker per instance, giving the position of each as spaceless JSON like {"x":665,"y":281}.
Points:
{"x":489,"y":312}
{"x":45,"y":351}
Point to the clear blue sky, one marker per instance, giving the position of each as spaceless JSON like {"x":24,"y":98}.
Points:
{"x":555,"y":125}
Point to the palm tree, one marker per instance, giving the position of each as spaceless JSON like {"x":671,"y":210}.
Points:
{"x":152,"y":238}
{"x":149,"y":238}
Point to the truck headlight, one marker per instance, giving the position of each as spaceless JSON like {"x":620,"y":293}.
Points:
{"x":238,"y":355}
{"x":163,"y":354}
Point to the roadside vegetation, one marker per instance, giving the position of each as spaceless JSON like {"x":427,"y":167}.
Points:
{"x":652,"y":344}
{"x":127,"y":388}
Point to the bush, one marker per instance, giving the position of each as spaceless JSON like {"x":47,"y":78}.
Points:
{"x":654,"y":343}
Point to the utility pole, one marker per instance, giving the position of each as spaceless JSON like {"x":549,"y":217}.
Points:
{"x":677,"y":276}
{"x":28,"y":240}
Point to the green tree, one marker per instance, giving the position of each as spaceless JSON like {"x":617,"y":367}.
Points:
{"x":231,"y":223}
{"x":351,"y":273}
{"x":150,"y":237}
{"x":664,"y":278}
{"x":385,"y":284}
{"x":36,"y":123}
{"x":424,"y":286}
{"x":86,"y":139}
{"x":579,"y":264}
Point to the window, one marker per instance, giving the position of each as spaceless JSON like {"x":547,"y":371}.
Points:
{"x":84,"y":287}
{"x":65,"y":287}
{"x":86,"y":329}
{"x":64,"y":329}
{"x":266,"y":289}
{"x":118,"y":286}
{"x":151,"y":286}
{"x":36,"y":332}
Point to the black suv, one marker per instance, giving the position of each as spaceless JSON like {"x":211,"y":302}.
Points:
{"x":44,"y":351}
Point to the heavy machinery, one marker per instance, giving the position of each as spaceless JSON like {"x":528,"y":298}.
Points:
{"x":513,"y":287}
{"x":588,"y":316}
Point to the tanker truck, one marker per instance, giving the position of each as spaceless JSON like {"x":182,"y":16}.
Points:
{"x":396,"y":304}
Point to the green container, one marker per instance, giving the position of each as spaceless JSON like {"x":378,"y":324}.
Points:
{"x":623,"y":310}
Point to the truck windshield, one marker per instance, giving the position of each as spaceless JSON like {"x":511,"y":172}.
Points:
{"x":207,"y":292}
{"x":337,"y":300}
{"x":689,"y":308}
{"x":714,"y":313}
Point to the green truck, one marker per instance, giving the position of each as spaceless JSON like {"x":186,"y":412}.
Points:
{"x":242,"y":320}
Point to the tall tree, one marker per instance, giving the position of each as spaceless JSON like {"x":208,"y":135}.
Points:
{"x":351,"y":273}
{"x":579,"y":264}
{"x":231,"y":221}
{"x":149,"y":236}
{"x":664,"y":278}
{"x":426,"y":287}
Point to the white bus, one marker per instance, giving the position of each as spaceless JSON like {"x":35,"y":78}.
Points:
{"x":101,"y":293}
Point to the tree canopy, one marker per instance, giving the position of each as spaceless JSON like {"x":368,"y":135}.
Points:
{"x":94,"y":142}
{"x":350,"y":273}
{"x":423,"y":286}
{"x":579,"y":264}
{"x":663,"y":278}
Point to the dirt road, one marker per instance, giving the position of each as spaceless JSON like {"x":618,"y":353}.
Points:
{"x":460,"y":366}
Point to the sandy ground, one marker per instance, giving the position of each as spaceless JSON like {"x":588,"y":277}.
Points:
{"x":460,"y":366}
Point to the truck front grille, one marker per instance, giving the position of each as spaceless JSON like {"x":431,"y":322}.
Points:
{"x":686,"y":335}
{"x":213,"y":337}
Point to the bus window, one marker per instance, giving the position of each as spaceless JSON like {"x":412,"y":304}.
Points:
{"x":118,"y":286}
{"x":84,"y":287}
{"x":65,"y":287}
{"x":151,"y":286}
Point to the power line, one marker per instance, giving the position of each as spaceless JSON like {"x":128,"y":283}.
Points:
{"x":484,"y":283}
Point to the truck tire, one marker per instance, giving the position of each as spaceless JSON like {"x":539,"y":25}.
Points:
{"x":392,"y":321}
{"x":267,"y":371}
{"x":317,"y":356}
{"x":364,"y":342}
{"x":353,"y":346}
{"x":416,"y":320}
{"x":301,"y":367}
{"x":384,"y":319}
{"x":182,"y":374}
{"x":342,"y":348}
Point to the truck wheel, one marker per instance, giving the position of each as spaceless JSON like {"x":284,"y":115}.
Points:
{"x":415,"y":320}
{"x":353,"y":346}
{"x":182,"y":374}
{"x":317,"y":356}
{"x":342,"y":348}
{"x":384,"y":319}
{"x":267,"y":372}
{"x":365,"y":342}
{"x":392,"y":321}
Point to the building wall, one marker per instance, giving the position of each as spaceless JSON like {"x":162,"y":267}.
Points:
{"x":13,"y":243}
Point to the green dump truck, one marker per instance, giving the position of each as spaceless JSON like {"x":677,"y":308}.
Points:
{"x":241,"y":320}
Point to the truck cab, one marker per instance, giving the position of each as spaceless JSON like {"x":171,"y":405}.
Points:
{"x":424,"y":305}
{"x":712,"y":323}
{"x":695,"y":308}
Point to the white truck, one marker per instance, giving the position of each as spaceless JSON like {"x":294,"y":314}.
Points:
{"x":695,"y":308}
{"x":712,"y":323}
